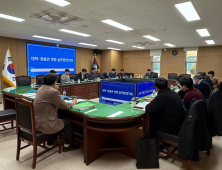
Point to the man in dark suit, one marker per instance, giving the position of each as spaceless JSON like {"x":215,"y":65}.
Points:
{"x":149,"y":74}
{"x":206,"y":78}
{"x":166,"y":110}
{"x":202,"y":86}
{"x":121,"y":74}
{"x":82,"y":75}
{"x":92,"y":75}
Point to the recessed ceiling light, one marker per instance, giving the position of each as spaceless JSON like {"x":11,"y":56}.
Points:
{"x":74,"y":32}
{"x":113,"y":41}
{"x":61,"y":3}
{"x":88,"y":44}
{"x":138,"y":47}
{"x":203,"y":32}
{"x":170,"y":45}
{"x":11,"y":18}
{"x":111,"y":48}
{"x":188,"y":11}
{"x":116,"y":24}
{"x":48,"y":38}
{"x":151,"y":38}
{"x":210,"y":41}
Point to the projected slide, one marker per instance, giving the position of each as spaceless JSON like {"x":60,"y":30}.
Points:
{"x":42,"y":58}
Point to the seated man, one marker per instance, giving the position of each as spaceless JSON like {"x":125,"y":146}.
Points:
{"x":121,"y":74}
{"x":82,"y":75}
{"x":186,"y":84}
{"x":46,"y":104}
{"x":206,"y":78}
{"x":92,"y":75}
{"x":202,"y":86}
{"x":52,"y":72}
{"x":212,"y":77}
{"x":166,"y":110}
{"x":149,"y":74}
{"x":112,"y":73}
{"x":180,"y":92}
{"x":65,"y":77}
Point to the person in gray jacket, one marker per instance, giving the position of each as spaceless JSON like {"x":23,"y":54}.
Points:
{"x":92,"y":75}
{"x":65,"y":77}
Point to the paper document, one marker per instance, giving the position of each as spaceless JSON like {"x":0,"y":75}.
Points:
{"x":29,"y":94}
{"x":115,"y":114}
{"x":90,"y":111}
{"x":80,"y":100}
{"x":142,"y":105}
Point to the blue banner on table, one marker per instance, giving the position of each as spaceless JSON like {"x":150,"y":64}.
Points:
{"x":115,"y":93}
{"x":145,"y":88}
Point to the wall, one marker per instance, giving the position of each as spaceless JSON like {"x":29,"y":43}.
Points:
{"x":136,"y":62}
{"x":172,"y":64}
{"x":105,"y":61}
{"x":116,"y":60}
{"x":210,"y":58}
{"x":84,"y":57}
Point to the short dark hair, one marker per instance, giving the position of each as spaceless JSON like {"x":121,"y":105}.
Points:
{"x":186,"y":81}
{"x":67,"y":70}
{"x":197,"y":76}
{"x":50,"y":79}
{"x":113,"y":69}
{"x":204,"y":73}
{"x":93,"y":68}
{"x":148,"y":70}
{"x":122,"y":69}
{"x":52,"y":71}
{"x":161,"y":83}
{"x":84,"y":70}
{"x":201,"y":73}
{"x":211,"y":72}
{"x":179,"y":77}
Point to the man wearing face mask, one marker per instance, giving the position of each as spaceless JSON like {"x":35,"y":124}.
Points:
{"x":186,"y":84}
{"x":202,"y":86}
{"x":166,"y":110}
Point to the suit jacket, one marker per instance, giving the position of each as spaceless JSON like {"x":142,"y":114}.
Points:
{"x":64,"y":78}
{"x":46,"y":104}
{"x":120,"y":75}
{"x":209,"y":81}
{"x":79,"y":76}
{"x":166,"y":112}
{"x":204,"y":88}
{"x":112,"y":75}
{"x":214,"y":106}
{"x":149,"y":75}
{"x":92,"y":76}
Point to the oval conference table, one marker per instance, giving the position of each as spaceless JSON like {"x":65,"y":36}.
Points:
{"x":101,"y":129}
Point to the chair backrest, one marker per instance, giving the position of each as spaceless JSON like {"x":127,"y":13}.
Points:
{"x":104,"y":75}
{"x":39,"y":79}
{"x":155,"y":75}
{"x":23,"y":81}
{"x":98,"y":74}
{"x":186,"y":75}
{"x":25,"y":115}
{"x":73,"y":76}
{"x":172,"y":76}
{"x":59,"y":78}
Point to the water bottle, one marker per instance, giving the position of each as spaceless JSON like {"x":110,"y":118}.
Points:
{"x":171,"y":87}
{"x":78,"y":80}
{"x":33,"y":84}
{"x":64,"y":93}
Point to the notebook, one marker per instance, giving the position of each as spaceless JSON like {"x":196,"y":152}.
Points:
{"x":83,"y":106}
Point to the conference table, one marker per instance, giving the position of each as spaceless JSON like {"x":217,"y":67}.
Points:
{"x":101,"y":129}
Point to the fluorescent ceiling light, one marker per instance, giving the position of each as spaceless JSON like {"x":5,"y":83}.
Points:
{"x":88,"y":44}
{"x":188,"y":11}
{"x":11,"y":18}
{"x":48,"y":38}
{"x":210,"y":41}
{"x":117,"y":42}
{"x":111,"y":48}
{"x":138,"y":47}
{"x":116,"y":24}
{"x":170,"y":45}
{"x":203,"y":32}
{"x":151,"y":38}
{"x":61,"y":3}
{"x":74,"y":32}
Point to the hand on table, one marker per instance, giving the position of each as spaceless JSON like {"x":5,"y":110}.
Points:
{"x":74,"y":101}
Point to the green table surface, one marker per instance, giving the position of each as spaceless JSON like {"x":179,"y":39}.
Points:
{"x":102,"y":110}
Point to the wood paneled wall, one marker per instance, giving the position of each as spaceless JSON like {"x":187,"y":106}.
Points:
{"x":116,"y":60}
{"x":136,"y":62}
{"x":105,"y":61}
{"x":84,"y":56}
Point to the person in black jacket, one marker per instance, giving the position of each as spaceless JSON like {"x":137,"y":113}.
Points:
{"x":206,"y":78}
{"x":166,"y":110}
{"x":82,"y":75}
{"x":121,"y":74}
{"x":149,"y":74}
{"x":202,"y":86}
{"x":180,"y":92}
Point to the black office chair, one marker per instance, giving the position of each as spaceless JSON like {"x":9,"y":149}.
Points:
{"x":40,"y":79}
{"x":172,"y":76}
{"x":186,"y":75}
{"x":23,"y":81}
{"x":104,"y":75}
{"x":26,"y":130}
{"x":7,"y":117}
{"x":155,"y":75}
{"x":98,"y":74}
{"x":73,"y":76}
{"x":58,"y":78}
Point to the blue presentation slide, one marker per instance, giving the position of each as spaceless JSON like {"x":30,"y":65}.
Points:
{"x":115,"y":93}
{"x":42,"y":58}
{"x":145,"y":88}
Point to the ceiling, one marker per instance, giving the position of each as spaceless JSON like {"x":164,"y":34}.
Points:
{"x":159,"y":16}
